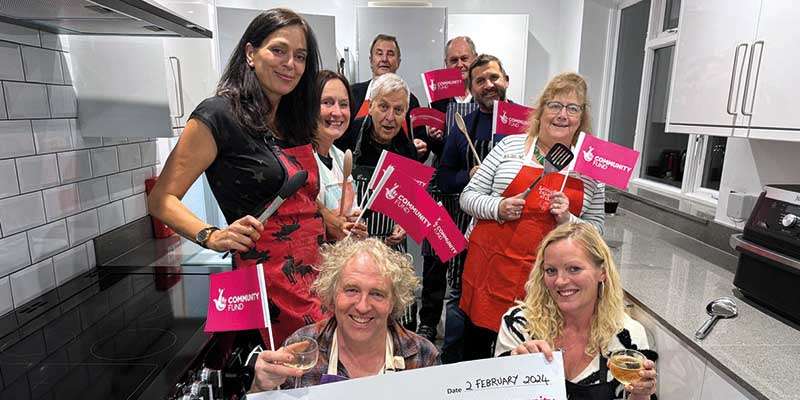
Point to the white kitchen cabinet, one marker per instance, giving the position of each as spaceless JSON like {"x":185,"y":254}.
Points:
{"x":774,"y":77}
{"x":683,"y":373}
{"x":121,"y":86}
{"x":715,"y":387}
{"x":680,"y":371}
{"x":190,"y":76}
{"x":735,"y":72}
{"x":714,"y":40}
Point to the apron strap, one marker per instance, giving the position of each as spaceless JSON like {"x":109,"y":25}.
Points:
{"x":391,"y":363}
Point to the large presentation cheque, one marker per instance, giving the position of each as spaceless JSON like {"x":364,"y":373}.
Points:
{"x":524,"y":377}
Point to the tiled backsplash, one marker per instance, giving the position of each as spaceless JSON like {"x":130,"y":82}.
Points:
{"x":58,"y":190}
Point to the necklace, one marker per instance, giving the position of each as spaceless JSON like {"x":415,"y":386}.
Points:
{"x":538,"y":154}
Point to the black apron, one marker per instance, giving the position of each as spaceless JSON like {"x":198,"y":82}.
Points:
{"x":598,"y":391}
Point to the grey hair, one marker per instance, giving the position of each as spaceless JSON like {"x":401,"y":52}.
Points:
{"x":392,"y":264}
{"x":467,"y":39}
{"x":388,"y":83}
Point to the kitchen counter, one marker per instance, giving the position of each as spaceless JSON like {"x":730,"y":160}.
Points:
{"x":672,"y":277}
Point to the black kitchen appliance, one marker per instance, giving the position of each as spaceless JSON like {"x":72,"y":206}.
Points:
{"x":768,"y":271}
{"x":104,"y":335}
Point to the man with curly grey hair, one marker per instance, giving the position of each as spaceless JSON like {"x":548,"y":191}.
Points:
{"x":367,"y":285}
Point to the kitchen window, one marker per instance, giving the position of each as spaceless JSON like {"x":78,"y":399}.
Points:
{"x":672,"y":164}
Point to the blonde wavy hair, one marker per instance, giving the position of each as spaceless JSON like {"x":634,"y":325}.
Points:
{"x":545,"y":321}
{"x":562,"y":84}
{"x":392,"y":264}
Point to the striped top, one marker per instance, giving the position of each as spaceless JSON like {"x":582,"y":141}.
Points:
{"x":481,"y":198}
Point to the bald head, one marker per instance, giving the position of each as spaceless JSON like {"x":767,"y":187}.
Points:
{"x":459,"y":53}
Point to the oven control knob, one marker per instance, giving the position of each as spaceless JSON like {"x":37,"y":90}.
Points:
{"x":789,"y":220}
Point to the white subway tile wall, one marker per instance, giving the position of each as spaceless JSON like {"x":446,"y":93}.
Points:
{"x":70,"y":263}
{"x":48,"y":240}
{"x":14,"y":253}
{"x":60,"y":202}
{"x":51,"y":135}
{"x":120,"y":185}
{"x":6,"y":304}
{"x":17,"y":139}
{"x":26,"y":100}
{"x":58,"y":190}
{"x":74,"y":166}
{"x":8,"y":178}
{"x":32,"y":281}
{"x":104,"y":160}
{"x":3,"y":114}
{"x":111,"y":216}
{"x":129,"y":157}
{"x":82,"y":227}
{"x":42,"y":65}
{"x":10,"y":62}
{"x":21,"y":212}
{"x":37,"y":172}
{"x":93,"y":193}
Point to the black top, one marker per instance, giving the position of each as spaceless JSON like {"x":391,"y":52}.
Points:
{"x":246,"y":174}
{"x":359,"y":91}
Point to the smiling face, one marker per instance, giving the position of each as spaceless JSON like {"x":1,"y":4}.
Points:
{"x":488,"y":84}
{"x":363,"y":301}
{"x":384,"y":58}
{"x":334,"y":111}
{"x":279,"y":61}
{"x":571,"y":277}
{"x":459,"y":55}
{"x":387,"y":114}
{"x":560,"y":126}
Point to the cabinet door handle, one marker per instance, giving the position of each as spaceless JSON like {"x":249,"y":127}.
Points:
{"x":755,"y":79}
{"x":734,"y":80}
{"x":178,"y":85}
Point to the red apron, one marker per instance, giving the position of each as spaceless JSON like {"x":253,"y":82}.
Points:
{"x":500,"y":256}
{"x":288,"y":247}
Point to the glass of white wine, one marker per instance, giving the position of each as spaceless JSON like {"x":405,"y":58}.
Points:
{"x":625,"y":366}
{"x":305,"y":350}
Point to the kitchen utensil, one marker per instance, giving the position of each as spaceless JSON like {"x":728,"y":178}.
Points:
{"x":463,"y":128}
{"x":723,"y":307}
{"x":288,"y":188}
{"x":347,"y":169}
{"x":557,"y":158}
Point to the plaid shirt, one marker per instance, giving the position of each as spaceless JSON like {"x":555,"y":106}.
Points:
{"x":417,"y":351}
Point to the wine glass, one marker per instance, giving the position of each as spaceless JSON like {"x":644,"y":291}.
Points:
{"x":305,"y":357}
{"x":625,"y":366}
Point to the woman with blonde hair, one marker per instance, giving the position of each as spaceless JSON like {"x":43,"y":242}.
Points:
{"x":510,"y":226}
{"x":573,"y":302}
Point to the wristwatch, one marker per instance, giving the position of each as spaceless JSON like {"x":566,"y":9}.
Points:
{"x":202,"y":237}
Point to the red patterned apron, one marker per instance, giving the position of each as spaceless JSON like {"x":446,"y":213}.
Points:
{"x":500,"y":256}
{"x":288,"y":247}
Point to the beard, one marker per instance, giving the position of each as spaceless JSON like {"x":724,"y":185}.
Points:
{"x":488,"y":102}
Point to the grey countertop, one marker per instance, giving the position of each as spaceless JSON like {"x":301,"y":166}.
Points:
{"x":673,"y":277}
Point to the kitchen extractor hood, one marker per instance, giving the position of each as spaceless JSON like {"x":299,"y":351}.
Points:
{"x":100,"y":17}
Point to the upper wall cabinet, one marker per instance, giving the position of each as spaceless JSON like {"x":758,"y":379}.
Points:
{"x":734,"y":75}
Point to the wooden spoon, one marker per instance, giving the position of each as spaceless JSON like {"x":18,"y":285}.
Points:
{"x":463,"y":128}
{"x":347,"y":169}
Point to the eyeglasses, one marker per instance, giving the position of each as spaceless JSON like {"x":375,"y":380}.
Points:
{"x":556,"y":106}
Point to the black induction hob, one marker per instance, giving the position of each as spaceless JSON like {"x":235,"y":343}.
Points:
{"x":105,"y":335}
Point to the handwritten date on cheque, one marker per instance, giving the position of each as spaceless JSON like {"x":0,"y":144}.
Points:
{"x":500,"y":382}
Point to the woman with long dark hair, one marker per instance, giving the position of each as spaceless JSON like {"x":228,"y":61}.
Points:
{"x":249,"y":138}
